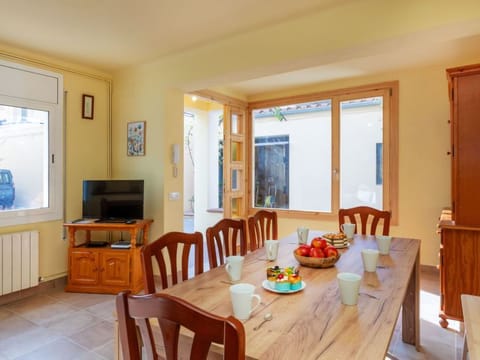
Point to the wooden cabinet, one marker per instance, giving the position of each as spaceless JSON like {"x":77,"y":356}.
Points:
{"x":103,"y":269}
{"x":459,"y":268}
{"x":460,"y":229}
{"x":464,"y":92}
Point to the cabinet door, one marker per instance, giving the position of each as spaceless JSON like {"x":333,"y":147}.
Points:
{"x":466,"y":134}
{"x":461,"y":268}
{"x":115,"y":268}
{"x":84,"y":267}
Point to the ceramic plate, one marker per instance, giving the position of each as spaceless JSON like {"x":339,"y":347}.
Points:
{"x":267,"y":287}
{"x":345,"y":245}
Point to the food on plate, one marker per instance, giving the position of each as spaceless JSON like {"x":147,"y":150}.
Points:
{"x":336,"y":239}
{"x":284,"y":279}
{"x":273,"y":271}
{"x":295,"y":281}
{"x":282,"y":283}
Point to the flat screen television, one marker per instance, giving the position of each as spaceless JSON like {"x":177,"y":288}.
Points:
{"x":112,"y":199}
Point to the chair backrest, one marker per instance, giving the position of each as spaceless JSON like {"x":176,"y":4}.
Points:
{"x":364,"y":216}
{"x":172,"y":313}
{"x":227,"y":237}
{"x":171,"y":242}
{"x":262,"y":226}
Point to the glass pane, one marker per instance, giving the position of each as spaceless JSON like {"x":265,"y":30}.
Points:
{"x":237,"y":178}
{"x":236,"y":151}
{"x":293,"y":157}
{"x":361,"y":152}
{"x":234,"y":124}
{"x":236,"y":207}
{"x":24,"y":158}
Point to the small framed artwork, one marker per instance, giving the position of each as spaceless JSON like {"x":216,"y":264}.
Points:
{"x":87,"y":106}
{"x":136,"y":138}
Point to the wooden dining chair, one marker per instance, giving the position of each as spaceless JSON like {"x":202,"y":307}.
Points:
{"x":172,"y":313}
{"x":171,"y":243}
{"x":227,"y":237}
{"x":262,"y":226}
{"x":365,"y":217}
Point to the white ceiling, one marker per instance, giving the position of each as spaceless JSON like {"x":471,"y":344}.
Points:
{"x":111,"y":34}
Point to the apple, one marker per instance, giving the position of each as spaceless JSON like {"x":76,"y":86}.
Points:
{"x":303,"y":251}
{"x":316,"y":252}
{"x":330,"y":251}
{"x":319,"y":243}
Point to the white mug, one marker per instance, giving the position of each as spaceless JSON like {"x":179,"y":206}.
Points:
{"x":383,"y":243}
{"x":302,"y":233}
{"x":349,"y":284}
{"x":233,"y":267}
{"x":271,"y":248}
{"x":348,"y":229}
{"x":242,"y":298}
{"x":370,"y":259}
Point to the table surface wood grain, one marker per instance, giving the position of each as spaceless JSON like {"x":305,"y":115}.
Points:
{"x":313,"y":323}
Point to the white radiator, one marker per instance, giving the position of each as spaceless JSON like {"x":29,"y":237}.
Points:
{"x":18,"y":261}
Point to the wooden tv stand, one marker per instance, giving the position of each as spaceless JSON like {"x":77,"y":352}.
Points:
{"x":105,"y":270}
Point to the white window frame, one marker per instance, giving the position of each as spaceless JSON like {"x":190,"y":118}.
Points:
{"x":31,"y":95}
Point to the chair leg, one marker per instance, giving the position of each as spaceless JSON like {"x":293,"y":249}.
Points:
{"x":465,"y":346}
{"x":391,"y":357}
{"x":117,"y":346}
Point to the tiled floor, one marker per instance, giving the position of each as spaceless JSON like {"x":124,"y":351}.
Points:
{"x":60,"y":325}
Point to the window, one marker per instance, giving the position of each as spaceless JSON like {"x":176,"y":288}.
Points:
{"x":333,"y":150}
{"x":31,"y":185}
{"x":271,"y":169}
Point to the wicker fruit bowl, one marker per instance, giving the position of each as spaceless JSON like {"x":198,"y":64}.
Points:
{"x":316,"y":262}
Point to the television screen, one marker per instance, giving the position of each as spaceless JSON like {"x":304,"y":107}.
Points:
{"x":112,"y":199}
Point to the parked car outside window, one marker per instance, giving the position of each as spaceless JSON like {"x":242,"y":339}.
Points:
{"x":7,"y":189}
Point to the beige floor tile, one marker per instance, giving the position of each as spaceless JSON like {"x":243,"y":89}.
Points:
{"x":92,"y":356}
{"x":73,"y":323}
{"x":107,"y":350}
{"x":12,"y":325}
{"x":104,"y":310}
{"x":30,"y":304}
{"x":26,"y":342}
{"x":80,"y":300}
{"x":41,"y":310}
{"x":60,"y":349}
{"x":94,"y":336}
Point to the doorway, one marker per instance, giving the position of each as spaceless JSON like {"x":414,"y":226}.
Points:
{"x":203,"y":163}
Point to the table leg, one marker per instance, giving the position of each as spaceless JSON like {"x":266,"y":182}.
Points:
{"x":117,"y":346}
{"x":410,"y":308}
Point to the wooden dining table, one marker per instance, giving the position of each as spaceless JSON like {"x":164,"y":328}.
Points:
{"x":313,"y":323}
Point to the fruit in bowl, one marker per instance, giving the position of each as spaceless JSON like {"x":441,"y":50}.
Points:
{"x":319,"y":254}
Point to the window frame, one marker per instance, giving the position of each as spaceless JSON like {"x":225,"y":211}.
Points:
{"x":54,"y":211}
{"x":390,"y":147}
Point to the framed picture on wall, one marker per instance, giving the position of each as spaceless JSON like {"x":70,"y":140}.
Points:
{"x":87,"y":106}
{"x":136,"y":138}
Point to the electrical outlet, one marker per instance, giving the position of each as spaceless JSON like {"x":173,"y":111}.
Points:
{"x":174,"y":196}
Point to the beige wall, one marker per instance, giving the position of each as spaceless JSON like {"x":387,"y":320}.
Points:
{"x":86,"y":151}
{"x":424,"y":182}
